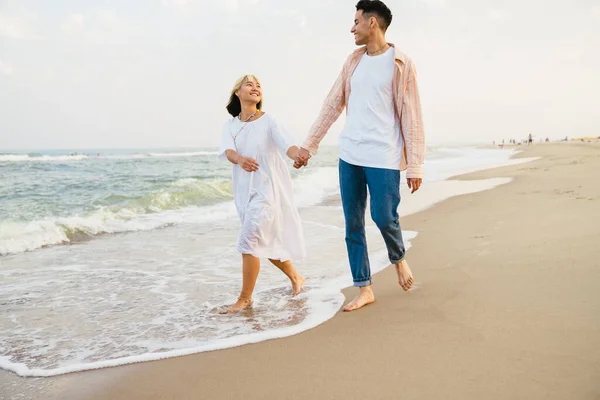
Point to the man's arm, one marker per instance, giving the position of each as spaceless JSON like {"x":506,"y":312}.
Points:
{"x":330,"y":112}
{"x":412,"y":128}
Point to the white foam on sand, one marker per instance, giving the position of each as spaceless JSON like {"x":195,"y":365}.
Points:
{"x":470,"y":159}
{"x":320,"y":303}
{"x":435,"y":192}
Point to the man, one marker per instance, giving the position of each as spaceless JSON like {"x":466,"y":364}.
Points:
{"x":382,"y":136}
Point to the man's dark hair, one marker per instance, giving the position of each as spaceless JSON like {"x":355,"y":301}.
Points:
{"x":376,"y":8}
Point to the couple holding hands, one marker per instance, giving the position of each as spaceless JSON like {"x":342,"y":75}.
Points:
{"x":383,"y":135}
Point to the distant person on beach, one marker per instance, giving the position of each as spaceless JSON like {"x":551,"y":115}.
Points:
{"x":383,"y":135}
{"x":530,"y":140}
{"x":256,"y":144}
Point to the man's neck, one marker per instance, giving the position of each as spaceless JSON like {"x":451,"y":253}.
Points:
{"x":377,"y":45}
{"x":247,"y":110}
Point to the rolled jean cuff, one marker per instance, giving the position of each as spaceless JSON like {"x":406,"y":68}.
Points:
{"x":362,"y":283}
{"x":398,"y":261}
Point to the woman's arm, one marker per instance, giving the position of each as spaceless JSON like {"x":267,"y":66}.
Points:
{"x":232,"y":156}
{"x":247,"y":163}
{"x":283,"y":140}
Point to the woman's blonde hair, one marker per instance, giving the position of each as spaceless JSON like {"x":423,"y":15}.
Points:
{"x":234,"y":107}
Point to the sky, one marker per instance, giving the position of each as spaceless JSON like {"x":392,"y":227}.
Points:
{"x":158,"y":73}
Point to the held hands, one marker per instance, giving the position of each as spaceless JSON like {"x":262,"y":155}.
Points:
{"x":301,"y":159}
{"x":247,"y":163}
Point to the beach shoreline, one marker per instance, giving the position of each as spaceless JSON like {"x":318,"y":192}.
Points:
{"x":463,"y":333}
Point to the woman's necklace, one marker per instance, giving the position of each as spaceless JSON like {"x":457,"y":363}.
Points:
{"x":244,"y":122}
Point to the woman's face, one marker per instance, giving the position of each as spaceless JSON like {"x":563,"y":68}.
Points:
{"x":250,"y":92}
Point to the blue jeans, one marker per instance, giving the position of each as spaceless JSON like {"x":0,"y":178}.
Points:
{"x":384,"y":189}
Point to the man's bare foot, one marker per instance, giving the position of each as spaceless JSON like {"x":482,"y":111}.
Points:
{"x":365,"y":297}
{"x":241,"y":304}
{"x":405,"y":277}
{"x":297,"y":284}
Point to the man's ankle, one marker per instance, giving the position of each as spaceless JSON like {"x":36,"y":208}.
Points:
{"x":366,"y":289}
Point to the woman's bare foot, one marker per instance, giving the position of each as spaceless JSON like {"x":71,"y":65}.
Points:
{"x":365,"y":297}
{"x":405,"y":277}
{"x":297,"y":284}
{"x":241,"y":304}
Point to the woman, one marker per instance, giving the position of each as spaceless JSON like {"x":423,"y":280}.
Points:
{"x":262,"y":189}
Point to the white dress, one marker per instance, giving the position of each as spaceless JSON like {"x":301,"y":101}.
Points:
{"x":271,"y":226}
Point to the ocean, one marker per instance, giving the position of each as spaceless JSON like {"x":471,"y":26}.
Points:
{"x":109,"y":257}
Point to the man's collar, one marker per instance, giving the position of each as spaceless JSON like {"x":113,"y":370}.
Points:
{"x":397,"y":53}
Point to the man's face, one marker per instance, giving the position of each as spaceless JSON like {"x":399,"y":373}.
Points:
{"x":361,"y":28}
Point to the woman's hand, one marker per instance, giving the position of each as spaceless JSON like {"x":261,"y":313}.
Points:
{"x":247,"y":163}
{"x":292,"y":152}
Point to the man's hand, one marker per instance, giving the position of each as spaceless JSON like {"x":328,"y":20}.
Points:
{"x":414,"y":184}
{"x":298,"y":164}
{"x":247,"y":164}
{"x":301,"y":158}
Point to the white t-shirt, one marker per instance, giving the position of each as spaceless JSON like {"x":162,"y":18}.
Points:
{"x":371,"y":136}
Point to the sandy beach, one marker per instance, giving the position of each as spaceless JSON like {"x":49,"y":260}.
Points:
{"x":507,"y":305}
